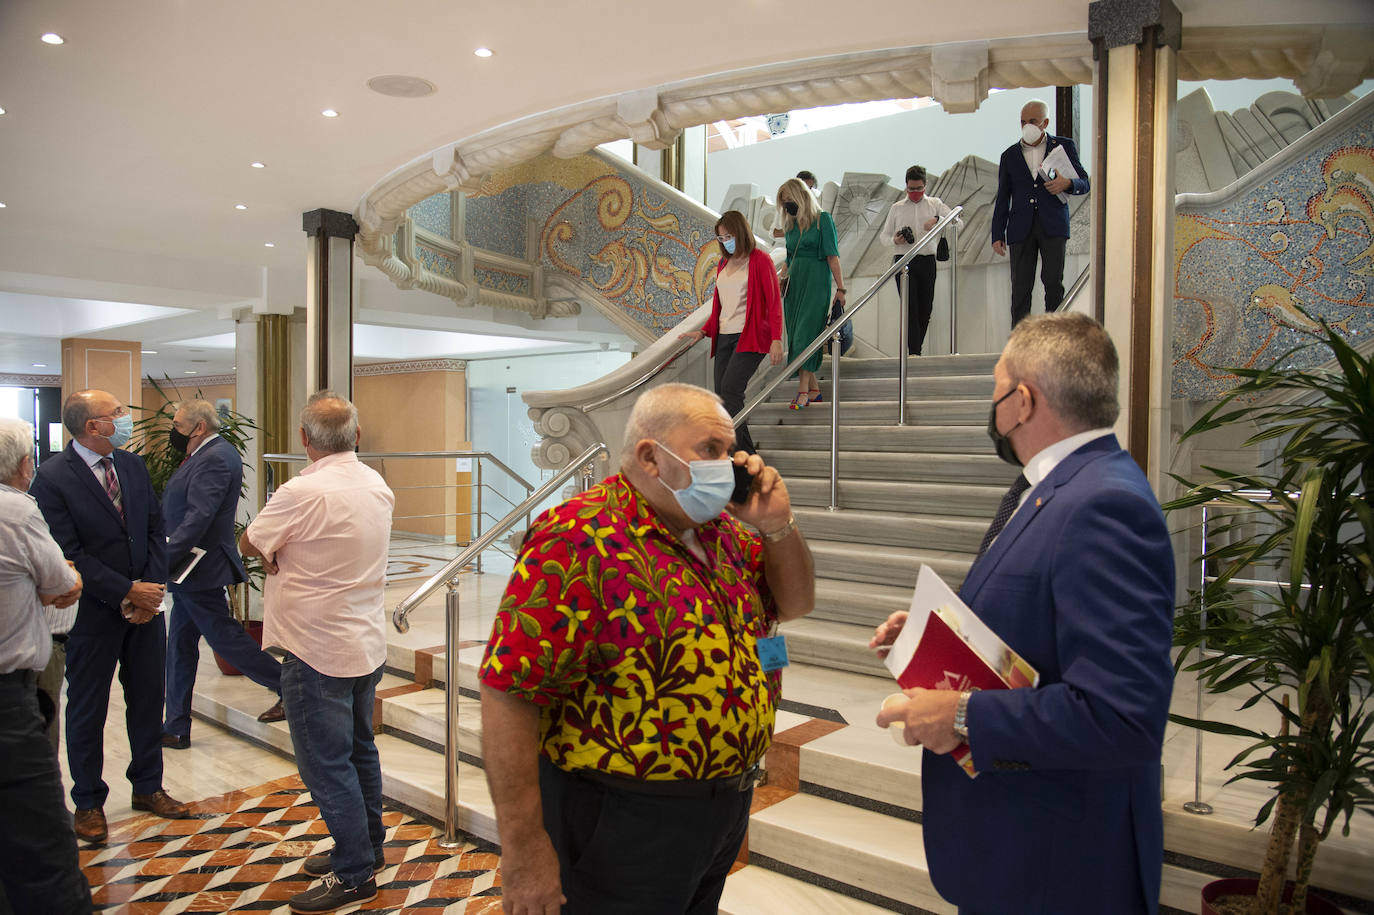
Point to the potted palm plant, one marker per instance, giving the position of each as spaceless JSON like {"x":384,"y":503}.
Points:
{"x":150,"y":440}
{"x":1306,"y":520}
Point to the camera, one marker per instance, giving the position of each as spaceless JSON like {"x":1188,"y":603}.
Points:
{"x":908,"y":235}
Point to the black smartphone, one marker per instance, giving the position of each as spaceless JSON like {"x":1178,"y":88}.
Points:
{"x":744,"y":480}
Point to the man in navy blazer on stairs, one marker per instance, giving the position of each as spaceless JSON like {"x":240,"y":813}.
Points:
{"x":1028,"y":213}
{"x":1076,"y":574}
{"x":200,"y":503}
{"x":101,"y":509}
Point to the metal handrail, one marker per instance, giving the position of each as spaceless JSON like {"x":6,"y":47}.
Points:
{"x":1077,"y":287}
{"x":400,"y":616}
{"x":381,"y":455}
{"x":850,"y":310}
{"x":642,"y":379}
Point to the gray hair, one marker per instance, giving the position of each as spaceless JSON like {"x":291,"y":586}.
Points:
{"x":200,"y":411}
{"x":658,"y":410}
{"x":76,"y":411}
{"x":1041,"y":104}
{"x":1070,"y":358}
{"x":330,"y":422}
{"x":16,"y":441}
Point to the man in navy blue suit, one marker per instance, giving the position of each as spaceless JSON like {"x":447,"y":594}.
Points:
{"x":1076,"y":574}
{"x":200,"y":502}
{"x":1028,"y":213}
{"x":100,"y":507}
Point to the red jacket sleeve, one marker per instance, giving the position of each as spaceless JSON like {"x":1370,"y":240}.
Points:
{"x":768,"y":318}
{"x":712,"y":325}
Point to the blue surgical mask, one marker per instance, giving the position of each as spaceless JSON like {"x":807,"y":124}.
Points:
{"x":729,"y":245}
{"x":712,"y":483}
{"x":123,"y":430}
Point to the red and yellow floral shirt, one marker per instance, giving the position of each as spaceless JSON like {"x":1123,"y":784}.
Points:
{"x":641,"y":657}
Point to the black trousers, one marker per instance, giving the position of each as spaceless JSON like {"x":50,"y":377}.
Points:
{"x":38,"y":861}
{"x":1050,"y":250}
{"x":733,"y":371}
{"x":625,"y":853}
{"x":920,"y":300}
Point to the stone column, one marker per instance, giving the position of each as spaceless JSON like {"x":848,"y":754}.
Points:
{"x":1135,"y":45}
{"x":329,"y":301}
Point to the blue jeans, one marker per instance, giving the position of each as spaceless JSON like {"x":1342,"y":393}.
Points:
{"x":331,"y":730}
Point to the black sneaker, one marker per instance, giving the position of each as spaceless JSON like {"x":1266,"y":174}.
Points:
{"x":321,"y":864}
{"x":332,"y":893}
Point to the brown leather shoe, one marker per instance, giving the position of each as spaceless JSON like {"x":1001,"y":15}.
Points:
{"x":275,"y":713}
{"x":160,"y":803}
{"x":90,"y":825}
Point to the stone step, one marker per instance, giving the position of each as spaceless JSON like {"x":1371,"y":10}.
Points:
{"x":909,"y":440}
{"x":756,"y":890}
{"x":972,"y":502}
{"x":984,"y":468}
{"x":971,"y":412}
{"x":859,"y":602}
{"x":836,"y":645}
{"x":891,"y":528}
{"x":884,"y":387}
{"x":922,"y":366}
{"x":886,"y":565}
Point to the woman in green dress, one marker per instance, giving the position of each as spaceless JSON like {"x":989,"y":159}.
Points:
{"x":813,"y":259}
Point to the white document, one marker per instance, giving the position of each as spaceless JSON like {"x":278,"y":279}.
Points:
{"x":180,"y":574}
{"x":1058,"y":160}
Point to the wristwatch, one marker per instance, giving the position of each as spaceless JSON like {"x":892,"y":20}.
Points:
{"x":961,"y":716}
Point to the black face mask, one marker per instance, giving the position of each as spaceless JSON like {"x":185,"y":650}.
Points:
{"x":790,"y":207}
{"x":1001,"y":442}
{"x":178,"y":440}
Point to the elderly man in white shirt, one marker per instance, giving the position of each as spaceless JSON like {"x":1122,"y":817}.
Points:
{"x":909,"y":219}
{"x":38,"y":861}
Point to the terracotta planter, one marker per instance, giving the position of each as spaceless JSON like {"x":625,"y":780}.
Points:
{"x":254,"y":629}
{"x":1245,"y":886}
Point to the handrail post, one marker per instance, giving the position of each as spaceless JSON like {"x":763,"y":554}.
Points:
{"x":835,"y":423}
{"x":1197,"y":804}
{"x":479,"y":512}
{"x":903,"y":319}
{"x":954,"y":288}
{"x":451,"y":838}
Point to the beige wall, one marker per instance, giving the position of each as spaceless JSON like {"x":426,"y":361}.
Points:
{"x":150,"y":399}
{"x":109,"y":365}
{"x":418,"y":411}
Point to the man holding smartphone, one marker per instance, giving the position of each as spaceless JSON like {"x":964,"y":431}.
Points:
{"x":631,"y":678}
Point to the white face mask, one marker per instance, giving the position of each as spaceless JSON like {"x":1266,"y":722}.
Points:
{"x":1031,"y":133}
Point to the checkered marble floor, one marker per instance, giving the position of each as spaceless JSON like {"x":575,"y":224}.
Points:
{"x":243,"y":852}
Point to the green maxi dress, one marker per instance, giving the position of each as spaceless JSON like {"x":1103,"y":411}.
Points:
{"x":807,"y":306}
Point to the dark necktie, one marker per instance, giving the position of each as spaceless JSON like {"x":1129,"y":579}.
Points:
{"x":1005,"y":511}
{"x":112,"y":485}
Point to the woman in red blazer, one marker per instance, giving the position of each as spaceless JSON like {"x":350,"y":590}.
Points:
{"x":746,"y":316}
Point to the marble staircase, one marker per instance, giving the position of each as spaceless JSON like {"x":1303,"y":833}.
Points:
{"x":918,"y":493}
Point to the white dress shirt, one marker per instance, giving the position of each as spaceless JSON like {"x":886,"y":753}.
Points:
{"x":916,"y":215}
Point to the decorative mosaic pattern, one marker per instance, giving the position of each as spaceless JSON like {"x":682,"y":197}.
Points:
{"x":436,"y":261}
{"x":652,"y":256}
{"x":244,"y":851}
{"x":1303,"y":238}
{"x":434,"y":214}
{"x":409,"y":367}
{"x":502,"y":280}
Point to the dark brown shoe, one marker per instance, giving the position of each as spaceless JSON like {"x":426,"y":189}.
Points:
{"x":90,"y":825}
{"x":176,"y":741}
{"x":161,"y":804}
{"x":275,"y":713}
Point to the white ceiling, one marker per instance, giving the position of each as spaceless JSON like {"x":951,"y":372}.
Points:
{"x":124,"y":151}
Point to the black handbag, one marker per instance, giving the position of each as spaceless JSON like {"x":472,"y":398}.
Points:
{"x":942,"y":250}
{"x":846,"y":329}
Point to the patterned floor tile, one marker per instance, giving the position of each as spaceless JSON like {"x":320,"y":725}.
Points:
{"x":243,"y":852}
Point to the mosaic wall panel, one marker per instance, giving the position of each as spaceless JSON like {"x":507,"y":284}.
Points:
{"x":1304,"y":237}
{"x":652,"y":256}
{"x":434,"y":214}
{"x":502,"y":280}
{"x":436,"y":261}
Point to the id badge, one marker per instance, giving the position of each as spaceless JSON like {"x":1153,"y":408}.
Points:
{"x":772,"y":653}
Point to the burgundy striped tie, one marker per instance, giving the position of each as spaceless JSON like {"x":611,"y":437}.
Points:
{"x":112,"y":485}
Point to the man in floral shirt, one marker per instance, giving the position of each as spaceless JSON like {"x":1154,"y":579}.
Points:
{"x":625,"y":708}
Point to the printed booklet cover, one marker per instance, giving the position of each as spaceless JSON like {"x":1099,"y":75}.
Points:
{"x":944,"y":645}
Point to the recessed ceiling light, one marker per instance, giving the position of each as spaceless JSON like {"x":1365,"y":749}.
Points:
{"x":52,"y":38}
{"x":2,"y":111}
{"x":240,"y":206}
{"x":40,"y":365}
{"x":330,"y":113}
{"x":2,"y":206}
{"x":401,"y":86}
{"x":268,"y":244}
{"x":483,"y":52}
{"x":257,"y":165}
{"x":189,"y":372}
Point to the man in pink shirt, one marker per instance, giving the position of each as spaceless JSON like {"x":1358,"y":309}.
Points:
{"x":323,"y":540}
